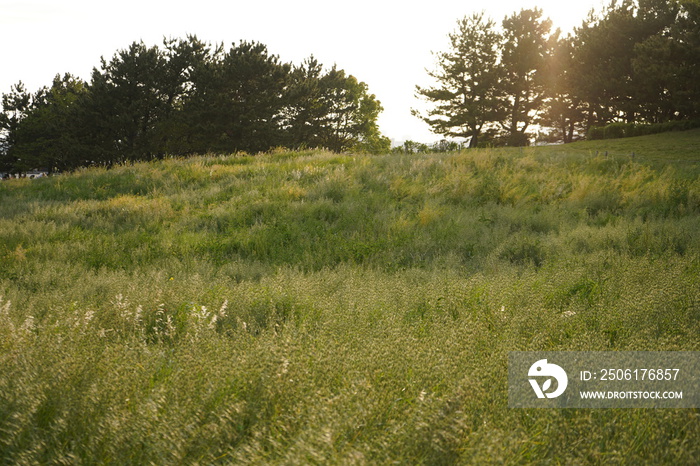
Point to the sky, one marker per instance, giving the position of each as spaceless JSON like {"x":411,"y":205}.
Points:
{"x":386,"y":44}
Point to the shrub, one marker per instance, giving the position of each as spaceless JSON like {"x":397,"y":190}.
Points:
{"x":625,"y":130}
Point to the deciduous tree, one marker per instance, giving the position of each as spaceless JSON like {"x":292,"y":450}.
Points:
{"x":331,"y":110}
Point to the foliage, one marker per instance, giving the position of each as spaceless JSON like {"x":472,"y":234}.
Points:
{"x":183,"y":98}
{"x":525,"y":52}
{"x":413,"y":147}
{"x":491,"y":83}
{"x":635,"y":61}
{"x":314,"y":307}
{"x":626,"y":130}
{"x":238,"y":105}
{"x":329,"y":110}
{"x":467,"y":94}
{"x":563,"y":107}
{"x":15,"y":106}
{"x":605,"y":50}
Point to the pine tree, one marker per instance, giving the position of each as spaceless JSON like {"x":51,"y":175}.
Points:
{"x":526,"y":50}
{"x":466,"y":97}
{"x":562,"y":109}
{"x":16,"y":105}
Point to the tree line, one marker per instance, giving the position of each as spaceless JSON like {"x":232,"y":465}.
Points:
{"x":635,"y":62}
{"x":186,"y":97}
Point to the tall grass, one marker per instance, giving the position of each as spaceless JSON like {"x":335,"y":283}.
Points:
{"x":315,"y":308}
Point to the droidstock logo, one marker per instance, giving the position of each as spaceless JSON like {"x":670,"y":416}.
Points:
{"x":542,"y":369}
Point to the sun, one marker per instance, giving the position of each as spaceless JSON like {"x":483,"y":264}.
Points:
{"x":567,"y":15}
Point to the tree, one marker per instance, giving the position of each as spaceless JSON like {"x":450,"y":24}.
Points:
{"x":186,"y":98}
{"x":331,"y":110}
{"x":15,"y":107}
{"x":41,"y":127}
{"x":666,"y":65}
{"x":562,"y":109}
{"x":605,"y":49}
{"x":128,"y":98}
{"x":47,"y":137}
{"x":237,"y":104}
{"x":305,"y":108}
{"x":601,"y":63}
{"x":687,"y":43}
{"x":527,"y":47}
{"x":190,"y":71}
{"x":350,"y":112}
{"x":136,"y":105}
{"x":467,"y":93}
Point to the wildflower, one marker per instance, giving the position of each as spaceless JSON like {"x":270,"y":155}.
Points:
{"x":284,"y":368}
{"x":28,"y":324}
{"x":120,"y":302}
{"x":5,"y":308}
{"x":243,"y":325}
{"x":169,"y":327}
{"x":222,"y":310}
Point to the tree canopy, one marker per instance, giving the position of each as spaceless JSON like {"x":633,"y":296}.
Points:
{"x":636,"y":62}
{"x":186,"y":97}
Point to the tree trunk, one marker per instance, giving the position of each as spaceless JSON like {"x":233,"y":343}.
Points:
{"x":474,"y":141}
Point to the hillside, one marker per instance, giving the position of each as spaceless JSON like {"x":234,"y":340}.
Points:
{"x":310,"y":307}
{"x":677,"y":147}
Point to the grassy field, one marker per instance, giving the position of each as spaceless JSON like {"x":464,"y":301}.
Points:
{"x":315,"y":308}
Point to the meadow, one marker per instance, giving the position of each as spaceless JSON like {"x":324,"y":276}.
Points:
{"x":319,"y":308}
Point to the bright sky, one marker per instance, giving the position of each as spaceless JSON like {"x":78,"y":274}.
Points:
{"x":386,"y":44}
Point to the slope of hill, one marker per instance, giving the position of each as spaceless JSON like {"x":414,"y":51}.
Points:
{"x":319,"y":308}
{"x":677,"y":147}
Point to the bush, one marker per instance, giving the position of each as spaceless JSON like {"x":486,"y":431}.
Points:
{"x":625,"y":130}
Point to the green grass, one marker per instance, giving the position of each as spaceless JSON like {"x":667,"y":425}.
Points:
{"x":315,"y":308}
{"x":680,"y":148}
